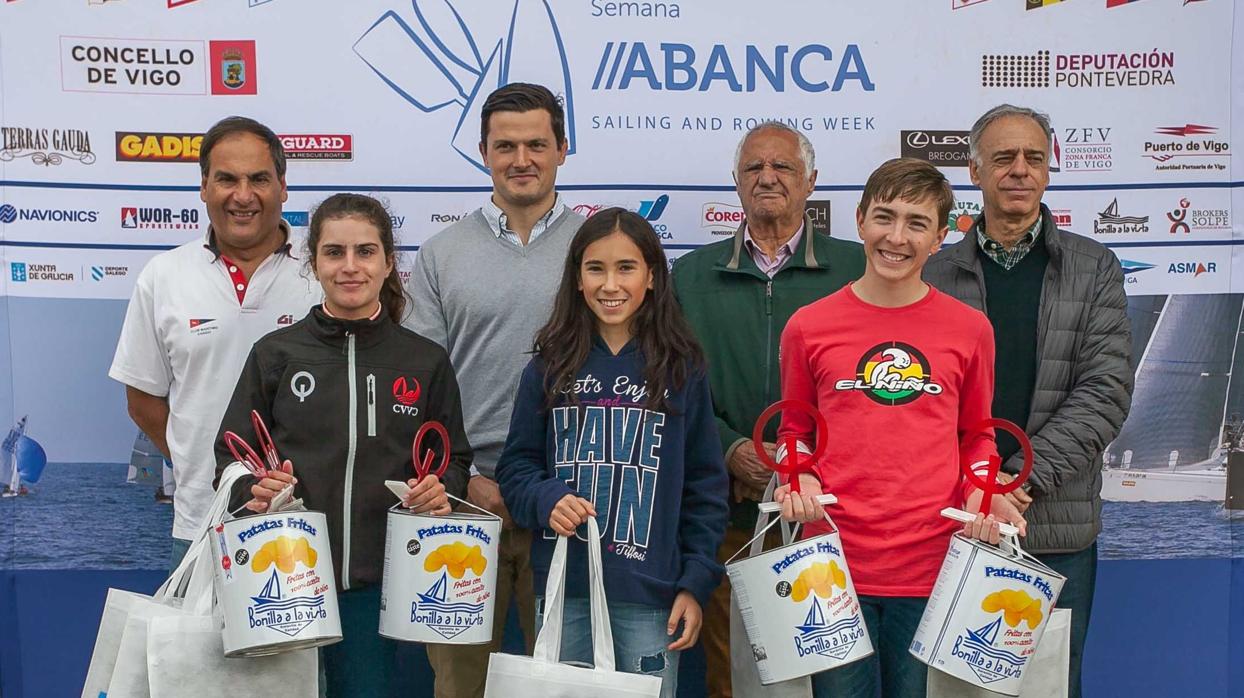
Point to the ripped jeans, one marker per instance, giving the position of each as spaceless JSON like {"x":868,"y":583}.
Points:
{"x":639,"y":639}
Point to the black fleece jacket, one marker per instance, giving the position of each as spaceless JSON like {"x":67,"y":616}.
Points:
{"x":342,"y":400}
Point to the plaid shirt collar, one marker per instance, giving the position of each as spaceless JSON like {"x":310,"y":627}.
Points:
{"x":1004,"y":257}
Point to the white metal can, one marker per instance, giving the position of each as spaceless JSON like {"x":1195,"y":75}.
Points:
{"x":986,"y":614}
{"x":799,"y":606}
{"x":440,"y":577}
{"x":275,"y":583}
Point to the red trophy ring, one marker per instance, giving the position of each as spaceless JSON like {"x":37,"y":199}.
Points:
{"x":795,"y":464}
{"x":423,"y":466}
{"x":989,"y":484}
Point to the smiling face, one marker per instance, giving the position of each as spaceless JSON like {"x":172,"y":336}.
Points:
{"x":1013,"y":169}
{"x":351,"y":265}
{"x":522,"y":155}
{"x":614,"y":279}
{"x":898,"y":238}
{"x":243,"y":194}
{"x":771,"y":180}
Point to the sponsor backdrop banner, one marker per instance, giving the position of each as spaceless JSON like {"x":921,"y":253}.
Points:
{"x":103,"y":103}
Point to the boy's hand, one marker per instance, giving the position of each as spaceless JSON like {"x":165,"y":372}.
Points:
{"x":569,"y":513}
{"x":1001,"y":508}
{"x":687,"y":610}
{"x":802,"y":507}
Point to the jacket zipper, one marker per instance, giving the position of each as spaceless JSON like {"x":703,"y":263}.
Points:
{"x":353,"y":430}
{"x":768,"y":339}
{"x":371,"y":404}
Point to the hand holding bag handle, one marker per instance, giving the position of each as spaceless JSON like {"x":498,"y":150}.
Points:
{"x":549,"y":639}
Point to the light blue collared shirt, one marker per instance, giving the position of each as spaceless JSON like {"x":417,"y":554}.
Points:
{"x":500,"y":226}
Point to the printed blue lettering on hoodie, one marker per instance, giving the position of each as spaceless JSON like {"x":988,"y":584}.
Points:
{"x":656,"y":479}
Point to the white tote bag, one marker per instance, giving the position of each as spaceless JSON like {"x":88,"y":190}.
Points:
{"x":117,"y":608}
{"x":119,"y":662}
{"x":744,"y":678}
{"x":542,"y":675}
{"x":1045,"y":677}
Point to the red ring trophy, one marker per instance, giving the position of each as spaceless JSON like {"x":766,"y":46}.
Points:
{"x":797,"y":602}
{"x":991,"y":604}
{"x":440,"y":572}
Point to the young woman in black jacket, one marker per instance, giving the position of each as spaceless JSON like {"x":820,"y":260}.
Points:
{"x":343,"y":392}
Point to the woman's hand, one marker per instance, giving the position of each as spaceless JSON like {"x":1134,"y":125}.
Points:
{"x":427,"y":496}
{"x":270,"y":486}
{"x":569,"y":513}
{"x":687,"y":610}
{"x":802,"y":507}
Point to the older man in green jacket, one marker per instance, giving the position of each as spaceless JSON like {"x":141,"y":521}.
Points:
{"x":738,"y":295}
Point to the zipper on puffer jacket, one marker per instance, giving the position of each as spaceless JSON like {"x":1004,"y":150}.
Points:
{"x":349,"y":488}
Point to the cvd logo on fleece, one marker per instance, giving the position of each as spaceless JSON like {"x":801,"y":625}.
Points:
{"x":405,"y":394}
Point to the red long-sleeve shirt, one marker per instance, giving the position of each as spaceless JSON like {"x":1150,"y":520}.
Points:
{"x":901,"y":390}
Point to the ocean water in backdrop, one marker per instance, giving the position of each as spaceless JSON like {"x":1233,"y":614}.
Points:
{"x":85,"y":516}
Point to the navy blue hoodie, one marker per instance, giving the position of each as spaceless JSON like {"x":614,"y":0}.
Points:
{"x":657,"y":479}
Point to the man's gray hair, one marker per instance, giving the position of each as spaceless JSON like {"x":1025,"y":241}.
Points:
{"x":806,"y":151}
{"x":978,"y":128}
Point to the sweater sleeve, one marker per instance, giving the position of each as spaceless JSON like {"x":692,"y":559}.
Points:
{"x":704,"y":512}
{"x":427,"y":313}
{"x":445,"y":406}
{"x":523,"y":472}
{"x":976,"y":404}
{"x":252,"y":392}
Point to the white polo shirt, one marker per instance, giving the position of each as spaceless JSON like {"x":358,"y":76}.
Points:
{"x":187,"y":335}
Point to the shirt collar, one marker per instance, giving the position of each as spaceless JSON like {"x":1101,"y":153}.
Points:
{"x":988,"y":244}
{"x":286,"y":248}
{"x":788,"y":248}
{"x":499,"y":224}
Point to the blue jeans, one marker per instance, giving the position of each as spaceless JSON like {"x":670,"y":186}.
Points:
{"x":891,"y":671}
{"x":639,"y":639}
{"x":363,"y":663}
{"x":1080,"y":569}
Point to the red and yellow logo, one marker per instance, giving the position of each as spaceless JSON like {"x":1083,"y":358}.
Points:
{"x":892,"y":373}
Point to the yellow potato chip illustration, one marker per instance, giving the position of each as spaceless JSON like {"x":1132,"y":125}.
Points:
{"x":456,"y":558}
{"x":285,"y":553}
{"x":1016,"y":606}
{"x":820,"y":579}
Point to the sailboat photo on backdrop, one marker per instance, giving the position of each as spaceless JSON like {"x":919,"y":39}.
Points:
{"x":148,"y":466}
{"x":23,"y":460}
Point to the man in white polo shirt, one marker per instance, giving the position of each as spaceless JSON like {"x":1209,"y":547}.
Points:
{"x":197,"y":309}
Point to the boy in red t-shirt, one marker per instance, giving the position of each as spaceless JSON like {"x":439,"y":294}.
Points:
{"x":902,"y":374}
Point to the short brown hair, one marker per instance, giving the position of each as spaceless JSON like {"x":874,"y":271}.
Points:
{"x":911,"y":180}
{"x":523,"y":97}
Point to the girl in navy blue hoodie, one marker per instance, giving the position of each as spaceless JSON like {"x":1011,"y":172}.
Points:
{"x":613,"y":419}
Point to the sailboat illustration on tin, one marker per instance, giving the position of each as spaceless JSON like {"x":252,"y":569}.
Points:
{"x":829,"y":639}
{"x":447,"y":619}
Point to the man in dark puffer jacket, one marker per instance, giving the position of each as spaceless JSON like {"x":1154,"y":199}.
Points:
{"x":1058,"y":309}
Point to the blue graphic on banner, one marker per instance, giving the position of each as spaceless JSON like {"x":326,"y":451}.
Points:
{"x":438,"y":63}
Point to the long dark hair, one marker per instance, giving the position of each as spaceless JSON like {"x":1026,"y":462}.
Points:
{"x":392,"y":295}
{"x":669,"y":347}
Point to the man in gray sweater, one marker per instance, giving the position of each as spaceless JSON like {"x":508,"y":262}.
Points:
{"x":482,"y":288}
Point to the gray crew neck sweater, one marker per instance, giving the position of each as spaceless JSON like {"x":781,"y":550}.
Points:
{"x":484,"y":299}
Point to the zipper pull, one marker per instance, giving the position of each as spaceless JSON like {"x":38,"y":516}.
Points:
{"x":769,"y":297}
